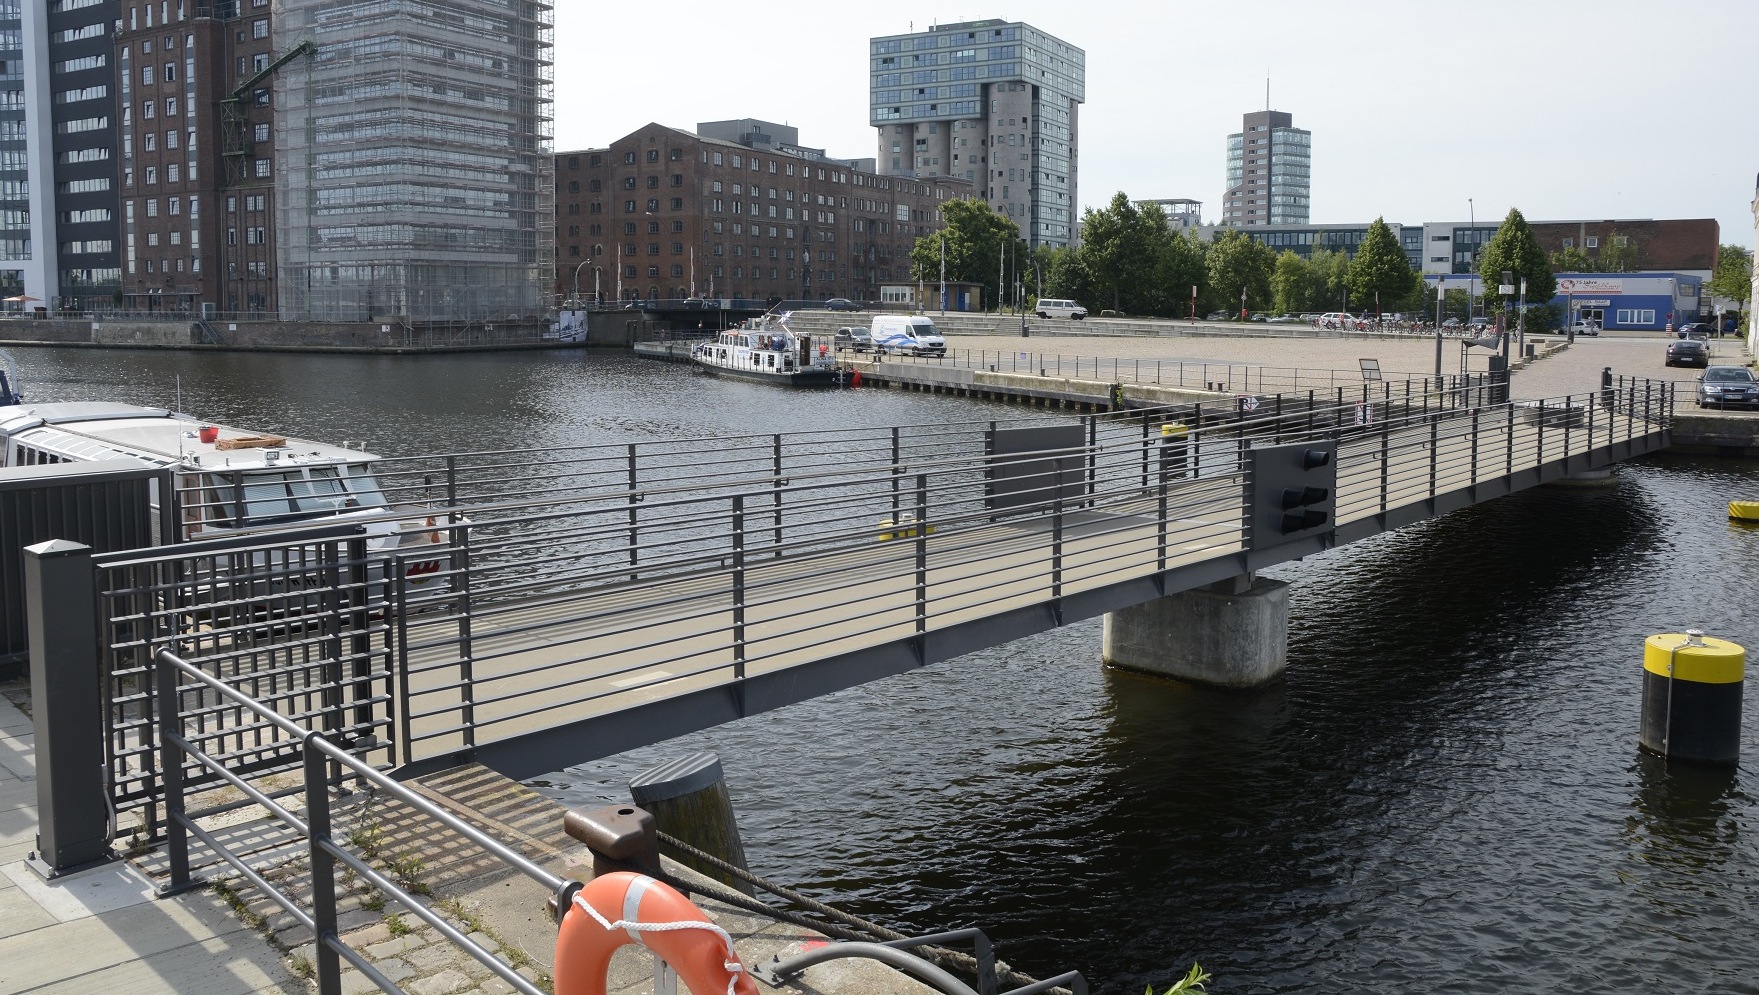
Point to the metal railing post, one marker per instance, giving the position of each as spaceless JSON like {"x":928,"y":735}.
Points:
{"x":1386,"y":459}
{"x":1509,"y":462}
{"x":1539,"y":453}
{"x":898,"y":463}
{"x":1057,"y":551}
{"x":776,"y":489}
{"x":67,"y":706}
{"x":323,"y":870}
{"x":634,"y":522}
{"x":400,"y":700}
{"x":169,"y":705}
{"x":739,"y":586}
{"x":1474,"y":446}
{"x":921,"y":553}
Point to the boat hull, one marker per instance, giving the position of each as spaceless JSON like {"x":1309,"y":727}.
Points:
{"x":813,"y":376}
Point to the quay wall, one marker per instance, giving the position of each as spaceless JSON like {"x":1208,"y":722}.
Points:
{"x":273,"y":336}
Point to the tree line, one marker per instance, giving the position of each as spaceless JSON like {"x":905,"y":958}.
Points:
{"x":1130,"y":260}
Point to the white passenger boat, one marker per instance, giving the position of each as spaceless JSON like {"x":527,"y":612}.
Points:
{"x":765,"y":350}
{"x":231,"y":482}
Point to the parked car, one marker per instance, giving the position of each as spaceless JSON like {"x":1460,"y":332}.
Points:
{"x":842,"y":304}
{"x":1217,"y":316}
{"x":1049,"y":307}
{"x":853,"y":339}
{"x":1451,"y":324}
{"x":1693,"y":330}
{"x":1285,"y":319}
{"x":1584,"y":327}
{"x":1688,"y":352}
{"x":1728,"y":386}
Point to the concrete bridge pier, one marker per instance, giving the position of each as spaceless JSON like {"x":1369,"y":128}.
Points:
{"x":1234,"y":634}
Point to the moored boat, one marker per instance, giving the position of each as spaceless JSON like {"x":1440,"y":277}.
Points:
{"x":229,"y":481}
{"x":767,"y":351}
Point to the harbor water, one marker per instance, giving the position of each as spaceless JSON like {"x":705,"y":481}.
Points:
{"x":1444,"y":794}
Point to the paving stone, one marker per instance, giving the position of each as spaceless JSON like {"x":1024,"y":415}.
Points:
{"x":435,"y":957}
{"x":444,"y":983}
{"x":360,"y":939}
{"x":396,"y":969}
{"x":391,"y":948}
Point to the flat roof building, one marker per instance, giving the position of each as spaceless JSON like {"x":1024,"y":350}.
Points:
{"x":662,"y":213}
{"x":59,"y":235}
{"x":1182,"y":213}
{"x":995,"y":103}
{"x":1270,"y":167}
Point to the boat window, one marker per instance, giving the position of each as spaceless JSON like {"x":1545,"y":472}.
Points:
{"x":364,"y":487}
{"x":323,"y":493}
{"x":266,"y":496}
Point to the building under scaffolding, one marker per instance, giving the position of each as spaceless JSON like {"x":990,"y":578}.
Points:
{"x":415,"y":159}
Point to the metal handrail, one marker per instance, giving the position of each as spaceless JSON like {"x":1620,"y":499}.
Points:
{"x":324,"y":763}
{"x":536,"y":590}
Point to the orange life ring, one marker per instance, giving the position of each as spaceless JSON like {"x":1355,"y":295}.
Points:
{"x":623,"y":907}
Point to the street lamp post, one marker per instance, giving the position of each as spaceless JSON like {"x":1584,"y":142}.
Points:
{"x":595,"y":273}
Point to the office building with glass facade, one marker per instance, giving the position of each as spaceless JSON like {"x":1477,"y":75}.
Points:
{"x":415,"y":160}
{"x":1270,"y":166}
{"x":995,"y":103}
{"x":59,"y":152}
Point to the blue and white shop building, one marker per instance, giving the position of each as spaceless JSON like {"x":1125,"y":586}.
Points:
{"x":1629,"y":301}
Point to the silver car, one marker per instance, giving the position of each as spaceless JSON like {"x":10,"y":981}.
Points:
{"x":1728,"y":386}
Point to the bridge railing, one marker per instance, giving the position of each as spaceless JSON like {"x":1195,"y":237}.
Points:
{"x":301,"y":816}
{"x":578,"y":583}
{"x":1244,"y":378}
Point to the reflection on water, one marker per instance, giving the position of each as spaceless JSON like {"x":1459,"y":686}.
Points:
{"x":1444,"y":793}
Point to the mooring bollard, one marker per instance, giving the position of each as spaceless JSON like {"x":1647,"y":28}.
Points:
{"x":620,"y":837}
{"x":1692,"y":686}
{"x":690,"y":802}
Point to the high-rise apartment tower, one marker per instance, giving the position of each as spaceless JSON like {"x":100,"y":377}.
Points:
{"x":1270,"y":165}
{"x":995,"y":103}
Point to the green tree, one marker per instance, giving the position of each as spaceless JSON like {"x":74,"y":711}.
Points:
{"x":1733,"y":279}
{"x":1513,"y":248}
{"x":1117,"y":246}
{"x":1178,"y":266}
{"x":1291,"y":283}
{"x":1572,"y":260}
{"x":1618,"y":254}
{"x":1329,"y":269}
{"x":976,"y":238}
{"x":1239,"y":271}
{"x":1380,"y":276}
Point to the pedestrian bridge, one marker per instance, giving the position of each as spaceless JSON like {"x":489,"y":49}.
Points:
{"x":594,"y":599}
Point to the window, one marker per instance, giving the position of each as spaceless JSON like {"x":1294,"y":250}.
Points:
{"x":261,"y":133}
{"x":262,"y":167}
{"x":146,"y":109}
{"x":653,"y":155}
{"x":653,"y":206}
{"x":1620,"y":241}
{"x":1569,"y":243}
{"x":1591,"y":242}
{"x":259,"y":28}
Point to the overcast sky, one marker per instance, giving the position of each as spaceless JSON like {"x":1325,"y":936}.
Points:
{"x":1567,"y":109}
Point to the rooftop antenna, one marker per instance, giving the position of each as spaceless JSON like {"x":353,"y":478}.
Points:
{"x":1267,"y":93}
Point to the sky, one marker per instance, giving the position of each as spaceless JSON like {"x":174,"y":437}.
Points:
{"x":1565,"y":109}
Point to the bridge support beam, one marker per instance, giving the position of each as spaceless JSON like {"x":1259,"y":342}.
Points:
{"x":1232,"y":635}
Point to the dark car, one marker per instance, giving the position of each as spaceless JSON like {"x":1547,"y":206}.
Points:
{"x":841,"y":304}
{"x":1693,"y":330}
{"x":1688,"y":352}
{"x":1728,"y":386}
{"x":853,"y":339}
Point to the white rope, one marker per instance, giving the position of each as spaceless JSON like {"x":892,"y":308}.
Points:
{"x":635,"y":927}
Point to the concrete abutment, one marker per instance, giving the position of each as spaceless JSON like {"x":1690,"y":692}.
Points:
{"x":1229,"y":635}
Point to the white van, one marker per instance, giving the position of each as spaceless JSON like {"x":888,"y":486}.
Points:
{"x":907,"y":334}
{"x":1050,"y":307}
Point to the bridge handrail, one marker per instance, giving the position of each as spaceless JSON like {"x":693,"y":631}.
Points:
{"x":172,"y":675}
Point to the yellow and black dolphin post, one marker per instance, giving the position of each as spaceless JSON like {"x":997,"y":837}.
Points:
{"x":1692,"y":686}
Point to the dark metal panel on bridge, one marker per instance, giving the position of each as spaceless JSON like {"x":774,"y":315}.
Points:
{"x":1291,"y":491}
{"x":1035,"y":466}
{"x":106,"y":505}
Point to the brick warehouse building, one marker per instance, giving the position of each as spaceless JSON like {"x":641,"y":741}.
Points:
{"x":198,"y":172}
{"x":665,"y":213}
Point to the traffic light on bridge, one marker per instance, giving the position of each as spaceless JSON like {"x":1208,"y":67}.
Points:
{"x":1292,"y":491}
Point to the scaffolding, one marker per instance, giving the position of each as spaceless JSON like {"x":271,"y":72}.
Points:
{"x":416,"y":160}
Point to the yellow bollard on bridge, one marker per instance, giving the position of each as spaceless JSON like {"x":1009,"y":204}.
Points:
{"x":1692,"y":686}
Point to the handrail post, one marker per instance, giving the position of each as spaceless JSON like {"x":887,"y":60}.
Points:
{"x":400,"y":701}
{"x":634,"y":523}
{"x":1509,"y":461}
{"x":1474,"y":480}
{"x":739,"y":586}
{"x":67,"y":715}
{"x":776,"y":489}
{"x":1057,"y":551}
{"x":921,"y":553}
{"x":168,"y":704}
{"x":323,"y":870}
